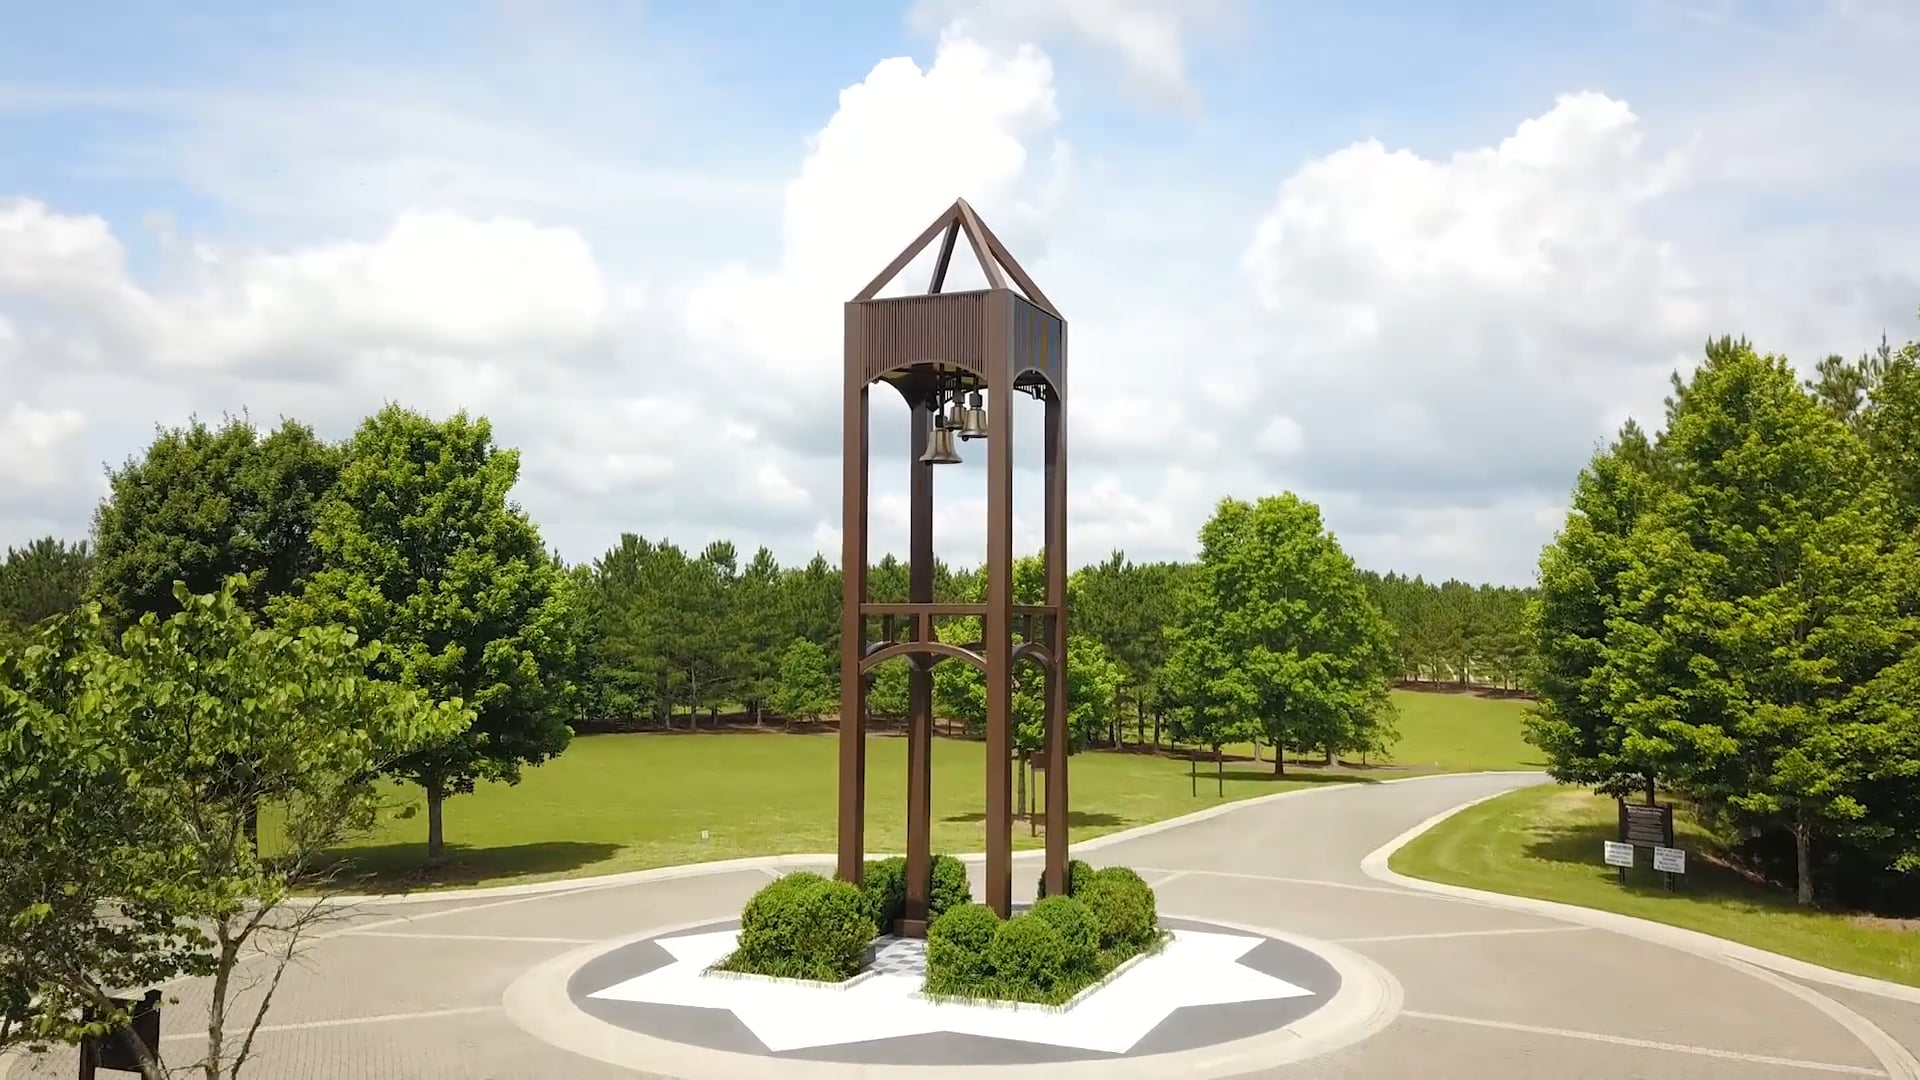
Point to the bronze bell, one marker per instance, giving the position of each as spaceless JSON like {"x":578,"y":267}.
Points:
{"x":972,"y":419}
{"x":940,"y":449}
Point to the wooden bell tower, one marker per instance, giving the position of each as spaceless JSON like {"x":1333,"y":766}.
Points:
{"x":948,"y":354}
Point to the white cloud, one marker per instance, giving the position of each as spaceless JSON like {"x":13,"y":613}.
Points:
{"x":37,"y":449}
{"x":903,"y":145}
{"x":1462,"y":329}
{"x":435,"y":283}
{"x":1147,"y":37}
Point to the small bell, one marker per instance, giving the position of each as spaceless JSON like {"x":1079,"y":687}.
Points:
{"x":940,"y":449}
{"x":973,"y":418}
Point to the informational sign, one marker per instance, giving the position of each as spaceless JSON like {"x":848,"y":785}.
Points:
{"x":1618,"y":854}
{"x":1646,"y":825}
{"x":1670,"y":860}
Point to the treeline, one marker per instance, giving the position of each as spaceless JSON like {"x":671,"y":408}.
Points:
{"x":1453,"y":631}
{"x":1732,"y":612}
{"x":404,"y":532}
{"x":677,"y":638}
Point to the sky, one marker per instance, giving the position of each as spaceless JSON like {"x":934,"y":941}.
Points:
{"x":1411,"y":261}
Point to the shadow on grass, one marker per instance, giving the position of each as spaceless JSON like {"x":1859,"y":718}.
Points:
{"x":403,"y":867}
{"x":1075,"y":818}
{"x":1579,"y":847}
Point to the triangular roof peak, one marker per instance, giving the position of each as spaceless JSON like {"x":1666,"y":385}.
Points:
{"x":996,"y":262}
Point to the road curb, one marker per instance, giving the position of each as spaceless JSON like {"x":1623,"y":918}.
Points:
{"x":777,"y":862}
{"x":1674,"y":937}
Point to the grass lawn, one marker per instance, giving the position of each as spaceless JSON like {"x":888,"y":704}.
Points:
{"x":1441,"y":732}
{"x":626,"y":802}
{"x":1544,"y":842}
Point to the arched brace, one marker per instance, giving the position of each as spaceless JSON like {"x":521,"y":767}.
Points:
{"x":1035,"y":652}
{"x":937,"y":649}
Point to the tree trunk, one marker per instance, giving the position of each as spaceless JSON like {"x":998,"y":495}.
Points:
{"x":1020,"y":784}
{"x":216,"y":1016}
{"x":436,"y":832}
{"x":1803,"y":858}
{"x":1256,"y":751}
{"x":1333,"y":756}
{"x":1279,"y":762}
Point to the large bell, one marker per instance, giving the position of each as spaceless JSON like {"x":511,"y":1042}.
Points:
{"x":973,"y":418}
{"x":940,"y":449}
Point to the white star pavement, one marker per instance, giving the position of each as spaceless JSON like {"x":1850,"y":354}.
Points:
{"x":1195,"y":968}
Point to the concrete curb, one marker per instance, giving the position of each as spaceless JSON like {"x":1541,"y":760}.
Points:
{"x":778,"y":862}
{"x":1691,"y":941}
{"x":1368,"y":1001}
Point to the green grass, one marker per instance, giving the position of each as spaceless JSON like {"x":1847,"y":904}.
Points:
{"x":1545,"y":842}
{"x":614,"y":803}
{"x":1450,"y":733}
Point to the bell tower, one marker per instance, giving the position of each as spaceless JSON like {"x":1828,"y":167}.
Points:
{"x":959,"y":359}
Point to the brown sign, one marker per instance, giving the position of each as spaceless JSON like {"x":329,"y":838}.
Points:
{"x":1646,"y":826}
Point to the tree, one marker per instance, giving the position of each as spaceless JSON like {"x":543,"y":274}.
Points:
{"x":146,"y":869}
{"x":47,"y":577}
{"x":422,"y":550}
{"x":1567,"y":625}
{"x":82,"y":865}
{"x":804,"y":689}
{"x":1276,"y":598}
{"x":206,"y":503}
{"x":753,"y":615}
{"x":1762,"y":588}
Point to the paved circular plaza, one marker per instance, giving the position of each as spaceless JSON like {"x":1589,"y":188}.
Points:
{"x":1321,"y":967}
{"x":1233,"y":991}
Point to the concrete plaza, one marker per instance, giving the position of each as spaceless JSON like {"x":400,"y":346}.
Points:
{"x":418,"y":989}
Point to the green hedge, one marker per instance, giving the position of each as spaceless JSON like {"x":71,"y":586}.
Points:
{"x":884,"y":883}
{"x":1056,"y":949}
{"x":804,"y":926}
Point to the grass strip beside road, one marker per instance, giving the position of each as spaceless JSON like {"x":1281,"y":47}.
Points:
{"x":614,"y":803}
{"x":1545,"y":842}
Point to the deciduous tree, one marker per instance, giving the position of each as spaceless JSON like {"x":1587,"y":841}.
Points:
{"x":422,"y":550}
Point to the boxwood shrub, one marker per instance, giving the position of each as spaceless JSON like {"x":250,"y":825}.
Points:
{"x":804,"y":926}
{"x":1123,"y":906}
{"x":949,"y":888}
{"x":1053,"y":951}
{"x":1079,"y":875}
{"x":1079,"y":931}
{"x":885,"y":883}
{"x":957,"y":945}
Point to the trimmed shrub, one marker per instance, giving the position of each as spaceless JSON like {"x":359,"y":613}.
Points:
{"x":949,"y":888}
{"x":1055,"y":950}
{"x":1079,"y":876}
{"x":957,"y":945}
{"x":804,"y":926}
{"x":1123,"y":909}
{"x":1079,"y":931}
{"x":885,"y":883}
{"x":1123,"y":873}
{"x":1029,"y":958}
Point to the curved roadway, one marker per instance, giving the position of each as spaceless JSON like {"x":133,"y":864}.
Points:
{"x":414,"y":990}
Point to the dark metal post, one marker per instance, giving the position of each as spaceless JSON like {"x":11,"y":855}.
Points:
{"x":919,"y":681}
{"x":999,"y":614}
{"x":853,"y":623}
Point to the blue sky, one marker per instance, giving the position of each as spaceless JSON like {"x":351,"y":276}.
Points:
{"x":1302,"y":247}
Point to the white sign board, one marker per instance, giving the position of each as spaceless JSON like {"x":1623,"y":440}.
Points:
{"x":1619,"y":854}
{"x":1669,"y":860}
